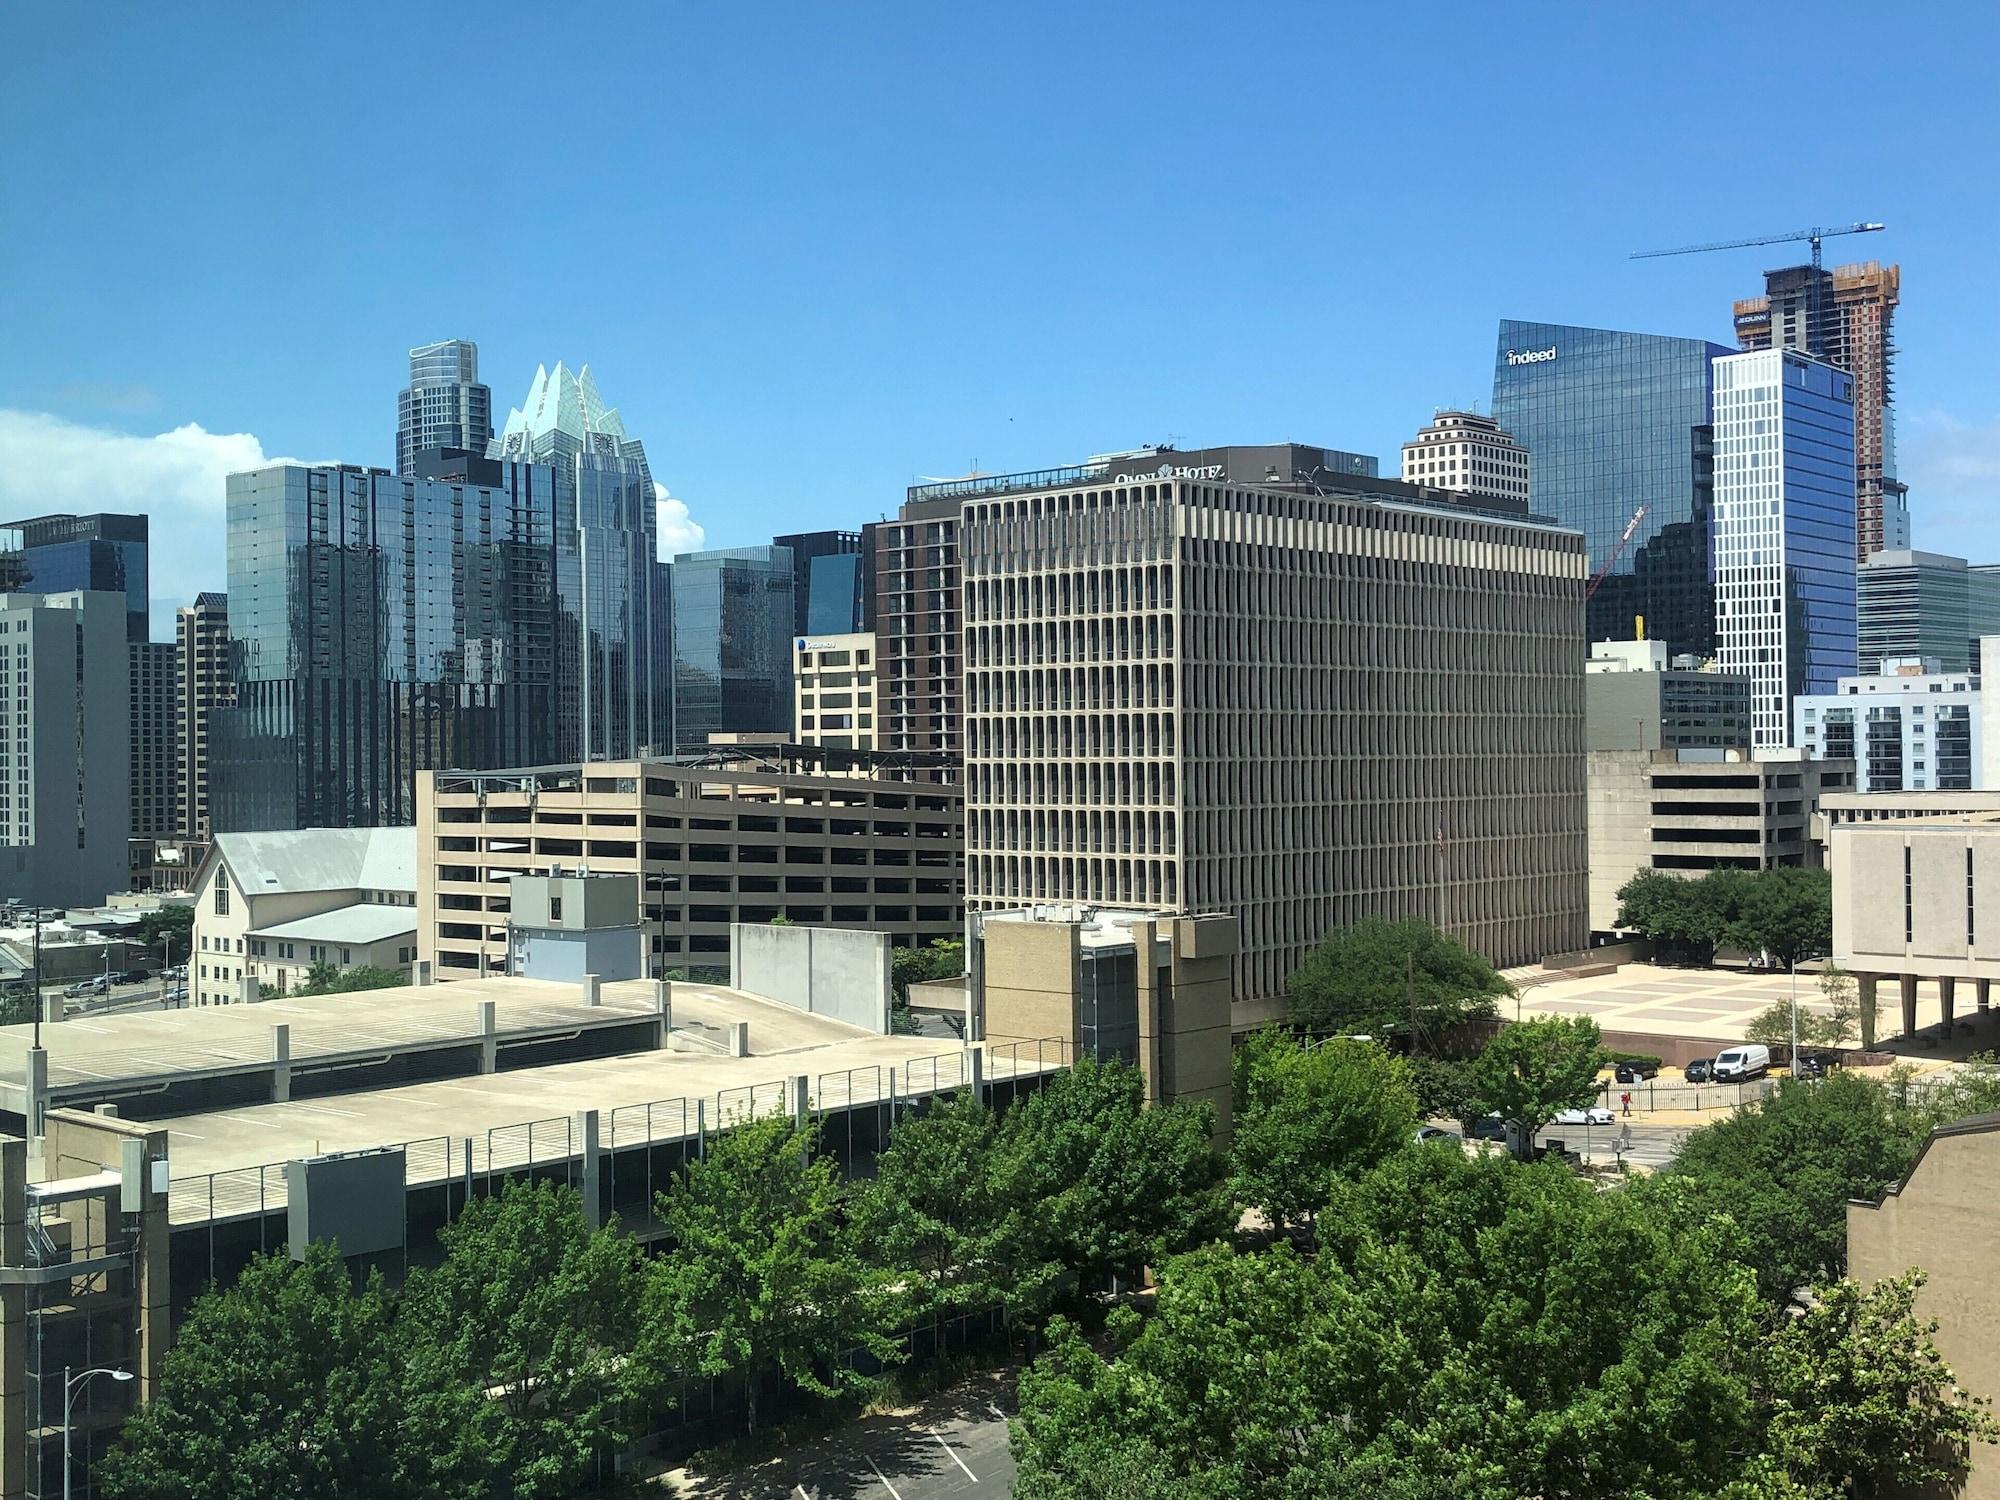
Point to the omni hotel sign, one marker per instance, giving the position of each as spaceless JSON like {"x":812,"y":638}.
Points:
{"x":1531,"y":356}
{"x":1171,"y":471}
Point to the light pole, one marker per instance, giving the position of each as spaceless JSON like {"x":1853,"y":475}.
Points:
{"x":71,"y":1385}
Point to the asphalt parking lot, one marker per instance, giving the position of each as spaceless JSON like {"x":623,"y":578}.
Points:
{"x":954,"y":1445}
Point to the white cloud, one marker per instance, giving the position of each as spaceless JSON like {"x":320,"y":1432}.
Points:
{"x":48,"y":464}
{"x":679,"y":532}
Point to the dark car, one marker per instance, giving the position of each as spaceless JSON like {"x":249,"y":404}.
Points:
{"x":1701,"y":1070}
{"x":1809,"y":1065}
{"x":1486,"y":1128}
{"x":131,"y":976}
{"x":1636,"y":1070}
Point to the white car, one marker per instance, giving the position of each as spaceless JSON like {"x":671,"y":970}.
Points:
{"x":1597,"y":1114}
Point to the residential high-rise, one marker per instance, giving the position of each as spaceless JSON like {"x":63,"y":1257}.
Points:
{"x":378,"y":625}
{"x":1619,"y":429}
{"x":613,"y":669}
{"x":1907,"y":729}
{"x":733,"y":612}
{"x":65,"y":747}
{"x":201,"y":686}
{"x":827,"y":582}
{"x":151,"y":664}
{"x":1856,"y":333}
{"x":1467,"y":453}
{"x":1301,"y":705}
{"x":1784,"y":530}
{"x":444,"y":405}
{"x":918,"y":683}
{"x":1925,"y":605}
{"x":62,"y":554}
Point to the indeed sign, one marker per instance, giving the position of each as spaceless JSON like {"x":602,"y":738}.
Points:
{"x":1531,"y":356}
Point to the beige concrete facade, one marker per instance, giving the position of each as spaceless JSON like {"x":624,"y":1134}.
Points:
{"x":745,"y":833}
{"x":833,"y":691}
{"x":1943,"y":1218}
{"x":1686,"y":812}
{"x":1299,"y":708}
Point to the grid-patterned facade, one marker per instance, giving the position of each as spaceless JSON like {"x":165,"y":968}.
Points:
{"x":833,"y":691}
{"x":201,"y":686}
{"x":1925,"y":605}
{"x":1467,"y":453}
{"x":744,"y":835}
{"x":1300,"y":708}
{"x":151,"y":665}
{"x":917,"y":629}
{"x":444,"y":405}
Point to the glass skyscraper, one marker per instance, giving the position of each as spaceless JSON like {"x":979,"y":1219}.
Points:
{"x":829,"y":582}
{"x":1784,"y":530}
{"x":1925,"y":605}
{"x":444,"y":405}
{"x":733,"y":613}
{"x":1615,"y":423}
{"x":104,"y":554}
{"x":614,"y":671}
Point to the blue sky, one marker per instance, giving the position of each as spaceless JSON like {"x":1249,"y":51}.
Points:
{"x":813,"y":252}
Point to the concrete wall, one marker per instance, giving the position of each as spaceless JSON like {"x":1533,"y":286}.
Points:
{"x":1034,"y":979}
{"x":1621,"y":828}
{"x":1946,"y":1220}
{"x":610,"y":953}
{"x":828,"y":971}
{"x":1882,"y":927}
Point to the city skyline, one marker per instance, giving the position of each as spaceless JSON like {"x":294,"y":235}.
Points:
{"x":145,"y":369}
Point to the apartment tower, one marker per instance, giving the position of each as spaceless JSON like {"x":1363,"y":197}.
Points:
{"x":444,"y":405}
{"x":201,"y":686}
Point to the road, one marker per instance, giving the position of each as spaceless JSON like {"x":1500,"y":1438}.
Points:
{"x":122,"y":997}
{"x":953,"y":1445}
{"x":1652,"y":1145}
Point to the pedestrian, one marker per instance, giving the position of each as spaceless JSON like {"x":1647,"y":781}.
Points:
{"x":1626,"y":1100}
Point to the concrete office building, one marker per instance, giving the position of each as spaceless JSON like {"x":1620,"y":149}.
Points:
{"x":1689,"y":811}
{"x":1905,"y":729}
{"x":1856,"y":311}
{"x":201,"y":686}
{"x":152,"y":666}
{"x":732,"y":630}
{"x":1620,"y":432}
{"x":1300,"y":705}
{"x":444,"y":405}
{"x":65,"y":748}
{"x":833,"y":680}
{"x":742,"y":833}
{"x":1925,"y":606}
{"x":1942,"y":1218}
{"x":1635,"y":700}
{"x":831,"y":582}
{"x":1465,"y":452}
{"x":353,"y":889}
{"x":1784,"y":530}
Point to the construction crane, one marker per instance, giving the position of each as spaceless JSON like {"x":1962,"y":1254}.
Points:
{"x":1814,"y":236}
{"x":1624,"y":541}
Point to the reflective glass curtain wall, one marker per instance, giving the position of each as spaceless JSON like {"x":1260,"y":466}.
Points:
{"x":1613,"y":422}
{"x":733,"y":613}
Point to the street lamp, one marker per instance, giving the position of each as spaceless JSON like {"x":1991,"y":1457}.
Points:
{"x":71,"y":1385}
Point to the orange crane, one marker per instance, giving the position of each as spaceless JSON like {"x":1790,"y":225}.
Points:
{"x":1624,"y":541}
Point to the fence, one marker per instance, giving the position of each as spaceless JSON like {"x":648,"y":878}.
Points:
{"x":1696,"y":1097}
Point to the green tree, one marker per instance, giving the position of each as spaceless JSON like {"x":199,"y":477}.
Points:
{"x":176,"y":922}
{"x":291,"y":1383}
{"x":1786,"y":912}
{"x":1372,"y":977}
{"x":933,"y":1210}
{"x":328,"y":979}
{"x":763,"y":1280}
{"x":943,"y":958}
{"x":1830,"y":1027}
{"x":1784,"y":1170}
{"x":1860,"y":1401}
{"x":1443,"y":1087}
{"x":1681,"y":916}
{"x":534,"y":1307}
{"x":1097,"y":1184}
{"x":1307,"y":1113}
{"x":1534,"y":1070}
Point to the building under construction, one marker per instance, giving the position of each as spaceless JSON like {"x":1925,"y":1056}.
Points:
{"x":1846,"y":316}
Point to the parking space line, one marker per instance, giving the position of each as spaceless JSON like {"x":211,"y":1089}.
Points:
{"x":954,"y":1455}
{"x":996,"y":1411}
{"x":894,"y":1493}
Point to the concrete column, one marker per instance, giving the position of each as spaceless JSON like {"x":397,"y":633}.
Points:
{"x":281,"y":1063}
{"x":1947,"y":998}
{"x":1980,"y":987}
{"x":13,"y":1320}
{"x":1866,"y":997}
{"x":1908,"y":983}
{"x":801,"y":1098}
{"x":38,"y":1090}
{"x":591,"y":1158}
{"x":593,"y":990}
{"x":54,"y":1008}
{"x":246,"y":989}
{"x":420,"y":971}
{"x":663,"y":1006}
{"x":738,"y":1037}
{"x":701,"y":1129}
{"x":489,"y":1037}
{"x":975,"y":1065}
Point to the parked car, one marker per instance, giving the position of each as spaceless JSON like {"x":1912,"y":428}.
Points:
{"x":1428,"y":1133}
{"x":1486,"y":1128}
{"x":1701,"y":1070}
{"x":1809,"y":1065}
{"x":175,"y":996}
{"x":1636,"y":1070}
{"x":1741,"y":1064}
{"x":1597,"y":1114}
{"x":178,"y":971}
{"x":97,"y":984}
{"x":131,"y":976}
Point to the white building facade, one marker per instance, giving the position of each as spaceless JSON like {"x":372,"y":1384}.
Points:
{"x":1468,"y":453}
{"x":1784,"y":530}
{"x":1906,"y":730}
{"x":833,"y":691}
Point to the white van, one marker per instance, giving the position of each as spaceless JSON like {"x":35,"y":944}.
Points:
{"x":1740,"y":1064}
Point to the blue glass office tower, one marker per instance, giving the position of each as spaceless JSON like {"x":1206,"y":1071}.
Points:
{"x":1784,"y":530}
{"x":829,"y":582}
{"x":733,"y":613}
{"x":105,"y":554}
{"x":1614,"y":422}
{"x":614,"y":673}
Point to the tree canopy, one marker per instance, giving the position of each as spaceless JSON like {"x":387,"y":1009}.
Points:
{"x":1305,"y":1113}
{"x":175,"y":921}
{"x":1786,"y":912}
{"x":329,"y":979}
{"x":1534,"y":1070}
{"x":1368,"y":979}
